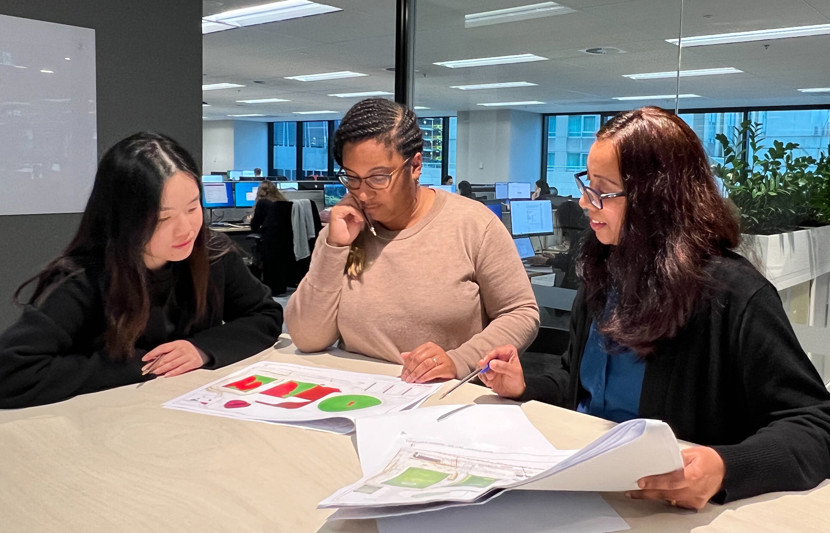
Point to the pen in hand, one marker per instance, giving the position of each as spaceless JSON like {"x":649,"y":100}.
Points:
{"x":467,"y":378}
{"x":369,"y":222}
{"x":149,"y":368}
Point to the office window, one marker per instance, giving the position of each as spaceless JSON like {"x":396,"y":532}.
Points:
{"x":315,"y":148}
{"x":569,"y":139}
{"x":809,"y":128}
{"x":285,"y":149}
{"x":708,"y":125}
{"x":582,"y":125}
{"x":433,"y":130}
{"x":451,"y":148}
{"x":577,"y":162}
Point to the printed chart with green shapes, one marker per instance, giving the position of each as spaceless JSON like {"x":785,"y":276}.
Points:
{"x":416,"y":478}
{"x":348,"y":402}
{"x":475,"y":481}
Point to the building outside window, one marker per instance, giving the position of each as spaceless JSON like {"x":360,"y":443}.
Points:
{"x":285,"y":149}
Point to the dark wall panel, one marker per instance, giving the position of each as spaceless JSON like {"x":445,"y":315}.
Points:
{"x":149,"y":72}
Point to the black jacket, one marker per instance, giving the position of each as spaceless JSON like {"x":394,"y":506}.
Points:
{"x":55,"y":349}
{"x":734,"y":378}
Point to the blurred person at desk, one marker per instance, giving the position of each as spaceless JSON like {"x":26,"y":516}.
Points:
{"x":671,"y":324}
{"x":143,"y":290}
{"x":572,"y":221}
{"x":272,"y":220}
{"x":408,"y":274}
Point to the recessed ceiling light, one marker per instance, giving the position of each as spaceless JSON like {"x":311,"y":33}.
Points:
{"x":363,"y":94}
{"x":816,"y":90}
{"x":313,"y":112}
{"x":248,"y":115}
{"x":263,"y":101}
{"x":756,"y":35}
{"x":485,"y":61}
{"x":205,"y":104}
{"x":656,"y":97}
{"x":504,"y":85}
{"x":46,"y":71}
{"x":496,"y":104}
{"x":217,"y":86}
{"x":262,"y":14}
{"x":68,"y":58}
{"x":683,"y":73}
{"x":326,"y":76}
{"x":514,"y":14}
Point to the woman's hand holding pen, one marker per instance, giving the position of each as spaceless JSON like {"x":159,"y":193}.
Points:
{"x":173,"y":358}
{"x":346,"y":221}
{"x":425,"y":363}
{"x":692,"y":487}
{"x":505,"y":376}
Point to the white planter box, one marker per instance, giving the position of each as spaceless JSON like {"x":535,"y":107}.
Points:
{"x":821,"y":250}
{"x":787,"y":259}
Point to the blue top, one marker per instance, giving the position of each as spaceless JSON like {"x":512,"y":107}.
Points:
{"x":613,"y":381}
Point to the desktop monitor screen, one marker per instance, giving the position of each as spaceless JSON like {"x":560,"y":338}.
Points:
{"x":213,"y":179}
{"x":333,"y":193}
{"x":518,"y":190}
{"x":234,"y":175}
{"x":248,"y":174}
{"x":288,"y":185}
{"x":495,"y":207}
{"x":501,"y":190}
{"x":531,"y":217}
{"x":217,"y":194}
{"x":524,"y":247}
{"x":448,"y":188}
{"x":245,"y":193}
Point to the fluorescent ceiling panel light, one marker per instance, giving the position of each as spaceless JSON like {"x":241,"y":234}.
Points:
{"x":327,"y":76}
{"x":496,"y":104}
{"x":313,"y":112}
{"x":419,"y":108}
{"x":263,"y":101}
{"x":248,"y":115}
{"x":485,"y":61}
{"x":205,"y":105}
{"x":363,"y":94}
{"x":683,"y":73}
{"x":816,"y":90}
{"x":756,"y":35}
{"x":216,"y":86}
{"x":263,"y":14}
{"x":504,"y":85}
{"x":514,"y":14}
{"x":655,"y":97}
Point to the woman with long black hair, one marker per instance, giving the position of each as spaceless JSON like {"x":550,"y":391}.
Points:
{"x":143,"y":290}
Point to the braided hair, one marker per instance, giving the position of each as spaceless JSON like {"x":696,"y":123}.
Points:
{"x":389,"y":123}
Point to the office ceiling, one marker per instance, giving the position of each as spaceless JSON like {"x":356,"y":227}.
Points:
{"x":361,"y":38}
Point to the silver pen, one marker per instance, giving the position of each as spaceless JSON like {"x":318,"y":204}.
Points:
{"x":467,"y":378}
{"x":369,"y":222}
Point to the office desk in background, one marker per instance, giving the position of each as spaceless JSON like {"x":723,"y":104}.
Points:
{"x":117,"y":461}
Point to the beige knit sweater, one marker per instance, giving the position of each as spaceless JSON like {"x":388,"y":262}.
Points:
{"x":454,"y":278}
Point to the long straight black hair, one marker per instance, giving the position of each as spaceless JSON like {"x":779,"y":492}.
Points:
{"x":118,"y":222}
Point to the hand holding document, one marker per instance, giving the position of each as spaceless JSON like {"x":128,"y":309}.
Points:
{"x":425,"y":469}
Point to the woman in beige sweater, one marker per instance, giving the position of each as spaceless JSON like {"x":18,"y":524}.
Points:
{"x":405,"y":273}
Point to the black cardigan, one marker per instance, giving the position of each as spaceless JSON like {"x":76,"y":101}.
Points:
{"x":734,"y":378}
{"x":55,"y":349}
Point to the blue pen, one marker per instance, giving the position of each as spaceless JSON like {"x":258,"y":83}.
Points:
{"x":469,"y":376}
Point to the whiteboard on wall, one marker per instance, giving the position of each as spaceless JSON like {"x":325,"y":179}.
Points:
{"x":48,"y":136}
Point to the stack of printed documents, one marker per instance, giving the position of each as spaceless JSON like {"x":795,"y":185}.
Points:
{"x":436,"y":457}
{"x":315,"y":398}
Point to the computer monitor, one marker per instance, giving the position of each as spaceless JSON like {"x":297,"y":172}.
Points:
{"x":213,"y":179}
{"x":531,"y":217}
{"x":245,"y":193}
{"x":234,"y":175}
{"x":288,"y":185}
{"x":248,"y":174}
{"x":501,"y":190}
{"x":495,"y":207}
{"x":448,"y":188}
{"x":216,"y":195}
{"x":524,"y":247}
{"x":333,"y":193}
{"x":518,"y":190}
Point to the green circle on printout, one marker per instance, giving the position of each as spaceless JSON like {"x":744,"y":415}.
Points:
{"x":347,"y":402}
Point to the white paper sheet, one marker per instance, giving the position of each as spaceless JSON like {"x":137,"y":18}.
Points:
{"x":316,"y":398}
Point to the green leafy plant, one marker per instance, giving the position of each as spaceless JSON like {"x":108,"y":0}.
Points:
{"x":819,"y":189}
{"x":769,"y":186}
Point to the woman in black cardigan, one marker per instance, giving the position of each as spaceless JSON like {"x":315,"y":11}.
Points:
{"x":143,"y":290}
{"x":672,"y":325}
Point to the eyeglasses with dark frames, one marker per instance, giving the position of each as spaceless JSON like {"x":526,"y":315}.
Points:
{"x":375,"y":181}
{"x":594,"y":196}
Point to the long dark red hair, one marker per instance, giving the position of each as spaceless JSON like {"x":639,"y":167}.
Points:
{"x":675,"y":221}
